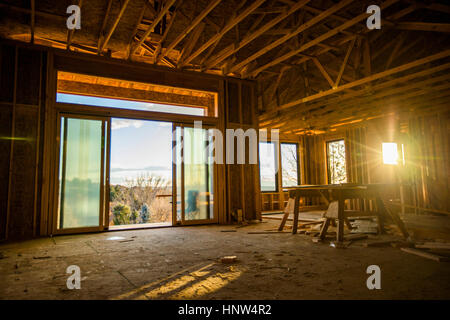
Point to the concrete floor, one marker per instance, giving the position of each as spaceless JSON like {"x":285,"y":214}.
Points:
{"x":182,"y":263}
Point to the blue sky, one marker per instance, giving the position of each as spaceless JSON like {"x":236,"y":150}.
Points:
{"x":140,"y":147}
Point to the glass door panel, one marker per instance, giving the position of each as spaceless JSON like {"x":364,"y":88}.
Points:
{"x":81,"y":173}
{"x":195,"y":176}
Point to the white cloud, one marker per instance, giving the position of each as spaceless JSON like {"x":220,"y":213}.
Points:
{"x":124,"y":123}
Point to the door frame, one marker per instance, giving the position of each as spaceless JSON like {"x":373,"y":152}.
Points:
{"x":104,"y":113}
{"x":104,"y":174}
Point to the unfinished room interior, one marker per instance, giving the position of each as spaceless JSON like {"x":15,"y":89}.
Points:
{"x":224,"y":149}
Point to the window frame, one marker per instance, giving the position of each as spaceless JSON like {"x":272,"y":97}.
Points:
{"x":327,"y":160}
{"x":276,"y":164}
{"x":297,"y":151}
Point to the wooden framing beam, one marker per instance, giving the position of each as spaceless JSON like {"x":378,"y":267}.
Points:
{"x":343,"y":99}
{"x":152,"y":26}
{"x":231,"y":23}
{"x":135,"y":30}
{"x":191,"y":42}
{"x":323,"y":71}
{"x":151,"y":49}
{"x":71,"y":32}
{"x":33,"y":19}
{"x":344,"y":63}
{"x":321,"y":38}
{"x":233,"y":48}
{"x":423,"y":26}
{"x":191,"y":27}
{"x":113,"y":27}
{"x":301,"y":28}
{"x":395,"y":51}
{"x":166,"y":32}
{"x":101,"y":36}
{"x":368,"y":79}
{"x":346,"y":110}
{"x":42,"y":14}
{"x":439,"y":7}
{"x":367,"y":60}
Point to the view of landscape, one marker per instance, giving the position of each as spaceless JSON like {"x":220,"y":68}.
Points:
{"x":336,"y":162}
{"x":141,"y":172}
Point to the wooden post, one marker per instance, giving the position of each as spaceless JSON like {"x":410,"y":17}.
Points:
{"x":296,"y":205}
{"x":340,"y":226}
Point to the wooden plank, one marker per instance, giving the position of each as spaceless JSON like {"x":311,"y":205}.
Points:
{"x":425,"y":254}
{"x":296,"y":205}
{"x":378,"y":244}
{"x":434,"y":245}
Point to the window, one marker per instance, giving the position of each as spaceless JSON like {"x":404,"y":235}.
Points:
{"x":128,"y":104}
{"x":390,"y":153}
{"x":106,"y":92}
{"x":289,"y":165}
{"x":337,"y":172}
{"x":268,"y":166}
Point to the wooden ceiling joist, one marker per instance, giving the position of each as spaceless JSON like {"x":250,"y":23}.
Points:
{"x":330,"y":104}
{"x":344,"y":63}
{"x":233,"y":48}
{"x":423,"y":26}
{"x":191,"y":27}
{"x":295,"y":32}
{"x":113,"y":27}
{"x":101,"y":36}
{"x":321,"y":38}
{"x":231,"y":23}
{"x":167,"y":5}
{"x":323,"y":71}
{"x":368,"y":79}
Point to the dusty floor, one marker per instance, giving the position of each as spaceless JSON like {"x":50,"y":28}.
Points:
{"x":182,"y":263}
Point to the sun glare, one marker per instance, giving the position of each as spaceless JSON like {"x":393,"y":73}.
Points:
{"x":390,"y":153}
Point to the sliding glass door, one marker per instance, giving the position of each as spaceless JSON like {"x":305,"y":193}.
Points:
{"x":81,"y":174}
{"x":194,"y":176}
